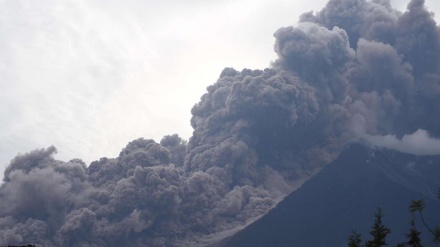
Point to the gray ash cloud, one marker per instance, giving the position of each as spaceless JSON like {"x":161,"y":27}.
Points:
{"x":353,"y":69}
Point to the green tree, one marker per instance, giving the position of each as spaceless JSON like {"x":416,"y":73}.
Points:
{"x":354,"y":240}
{"x":437,"y":229}
{"x":378,"y":231}
{"x":413,"y":236}
{"x":418,"y":206}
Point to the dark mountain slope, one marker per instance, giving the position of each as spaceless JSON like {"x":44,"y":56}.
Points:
{"x":345,"y":195}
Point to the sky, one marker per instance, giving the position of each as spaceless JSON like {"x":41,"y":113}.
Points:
{"x":90,"y":76}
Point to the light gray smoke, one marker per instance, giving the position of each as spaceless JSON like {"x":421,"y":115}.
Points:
{"x":354,"y":69}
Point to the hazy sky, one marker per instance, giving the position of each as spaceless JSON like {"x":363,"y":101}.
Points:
{"x":90,"y":76}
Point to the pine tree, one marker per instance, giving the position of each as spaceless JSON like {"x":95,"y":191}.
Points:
{"x":437,"y":234}
{"x":413,"y":236}
{"x":379,"y":231}
{"x":418,"y":206}
{"x":354,"y":240}
{"x":437,"y":229}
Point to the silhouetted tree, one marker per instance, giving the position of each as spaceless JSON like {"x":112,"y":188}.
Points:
{"x":354,"y":240}
{"x":378,"y":231}
{"x":413,"y":236}
{"x":418,"y":206}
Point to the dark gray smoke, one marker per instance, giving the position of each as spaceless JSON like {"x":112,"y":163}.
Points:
{"x":356,"y":69}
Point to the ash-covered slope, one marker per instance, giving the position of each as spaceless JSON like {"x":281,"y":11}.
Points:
{"x":344,"y":197}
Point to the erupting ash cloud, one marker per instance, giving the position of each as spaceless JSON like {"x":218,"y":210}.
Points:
{"x":354,"y":69}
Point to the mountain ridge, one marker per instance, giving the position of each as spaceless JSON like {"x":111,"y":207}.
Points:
{"x":344,"y":196}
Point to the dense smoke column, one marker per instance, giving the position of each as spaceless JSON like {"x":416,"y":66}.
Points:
{"x":55,"y":203}
{"x":353,"y":69}
{"x":243,"y":111}
{"x":36,"y":195}
{"x":281,"y":117}
{"x":177,"y":148}
{"x":139,"y":198}
{"x":419,"y":44}
{"x":394,"y":80}
{"x":372,"y":20}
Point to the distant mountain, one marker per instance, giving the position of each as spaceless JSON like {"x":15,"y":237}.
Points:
{"x":345,"y":195}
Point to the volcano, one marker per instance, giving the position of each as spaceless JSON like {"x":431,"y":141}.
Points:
{"x":344,"y":196}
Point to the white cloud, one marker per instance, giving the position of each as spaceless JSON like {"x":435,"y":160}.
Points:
{"x":419,"y":143}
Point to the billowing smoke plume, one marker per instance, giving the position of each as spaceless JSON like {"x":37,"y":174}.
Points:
{"x":418,"y":143}
{"x":357,"y":68}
